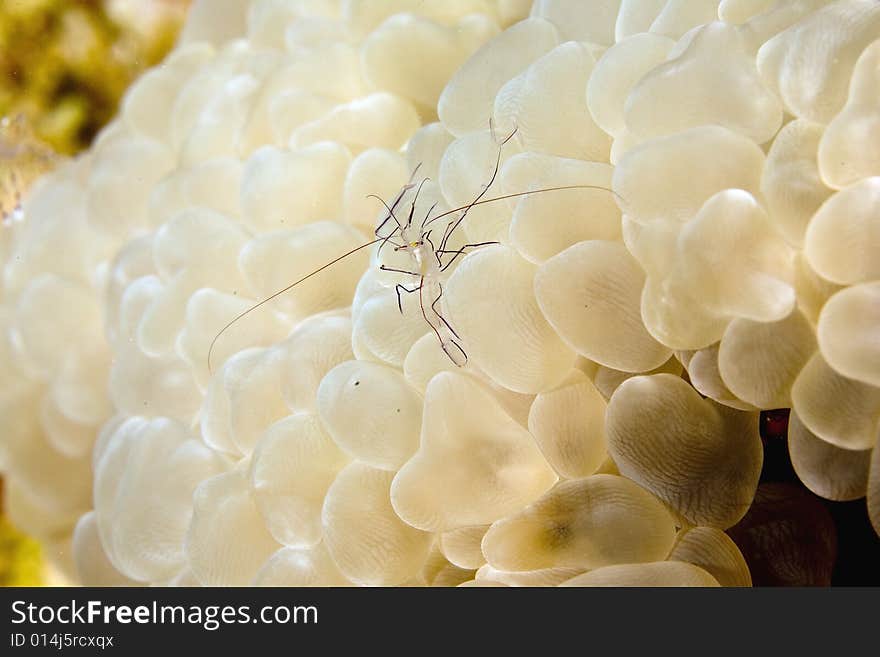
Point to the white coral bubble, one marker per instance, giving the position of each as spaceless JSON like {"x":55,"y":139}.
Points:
{"x":715,"y":552}
{"x":293,"y":465}
{"x":810,"y":63}
{"x":568,"y":423}
{"x":702,"y":459}
{"x":379,"y":120}
{"x":582,"y":523}
{"x":848,"y":335}
{"x":494,"y":287}
{"x":843,"y":238}
{"x":462,"y":546}
{"x":734,"y":260}
{"x":92,"y":565}
{"x":839,"y":410}
{"x":282,"y":188}
{"x":367,"y":540}
{"x":790,"y":182}
{"x":714,"y":81}
{"x":467,"y":99}
{"x":697,"y":164}
{"x":590,"y":293}
{"x":371,"y":412}
{"x":830,"y":471}
{"x":617,"y":71}
{"x":848,"y":151}
{"x":759,"y":361}
{"x":522,"y":103}
{"x":144,"y":483}
{"x":660,"y":573}
{"x":545,"y":223}
{"x":474,"y":465}
{"x":414,"y":57}
{"x":227,"y":541}
{"x":300,"y":567}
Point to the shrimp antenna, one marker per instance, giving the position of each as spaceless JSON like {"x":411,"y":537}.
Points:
{"x":282,"y":291}
{"x":383,"y":239}
{"x":390,"y":211}
{"x":518,"y":194}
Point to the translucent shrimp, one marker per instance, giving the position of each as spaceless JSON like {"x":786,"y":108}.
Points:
{"x":426,"y":261}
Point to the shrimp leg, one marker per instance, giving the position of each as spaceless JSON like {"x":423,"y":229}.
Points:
{"x":398,"y":288}
{"x":458,"y":252}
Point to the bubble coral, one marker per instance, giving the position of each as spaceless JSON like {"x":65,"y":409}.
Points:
{"x":620,"y":342}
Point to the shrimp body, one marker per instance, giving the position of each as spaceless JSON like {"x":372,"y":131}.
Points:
{"x":425,"y":261}
{"x":426,"y":268}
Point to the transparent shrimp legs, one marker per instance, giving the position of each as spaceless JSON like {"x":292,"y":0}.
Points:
{"x":427,"y":260}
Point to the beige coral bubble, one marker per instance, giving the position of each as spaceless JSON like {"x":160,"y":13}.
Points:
{"x":812,"y":289}
{"x":466,"y":168}
{"x":379,"y":120}
{"x":740,"y":11}
{"x":273,"y":261}
{"x":547,"y":222}
{"x":144,"y":483}
{"x":414,"y":57}
{"x":367,"y":540}
{"x":439,"y":571}
{"x":590,"y":293}
{"x":874,"y":488}
{"x":207,"y":313}
{"x":227,"y":541}
{"x":702,"y":459}
{"x":383,"y":332}
{"x":848,"y":335}
{"x":475,"y":463}
{"x":636,"y":16}
{"x":247,"y":399}
{"x":578,"y":21}
{"x":660,"y":573}
{"x":487,"y":576}
{"x":678,"y":17}
{"x":734,"y":261}
{"x":697,"y":163}
{"x":462,"y":546}
{"x":300,"y":567}
{"x":493,"y":307}
{"x":568,"y":423}
{"x":674,"y":317}
{"x":281,"y":188}
{"x":705,"y":375}
{"x":561,"y":74}
{"x":810,"y":63}
{"x":317,"y":345}
{"x":582,"y":523}
{"x":607,"y":380}
{"x":713,"y":551}
{"x":848,"y":151}
{"x":759,"y":361}
{"x":92,"y":565}
{"x":371,"y":412}
{"x":843,"y":239}
{"x":829,"y":471}
{"x":466,"y":102}
{"x":375,"y":171}
{"x":122,"y":174}
{"x":790,"y":182}
{"x":293,"y":465}
{"x":714,"y":81}
{"x":839,"y":410}
{"x":617,"y":71}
